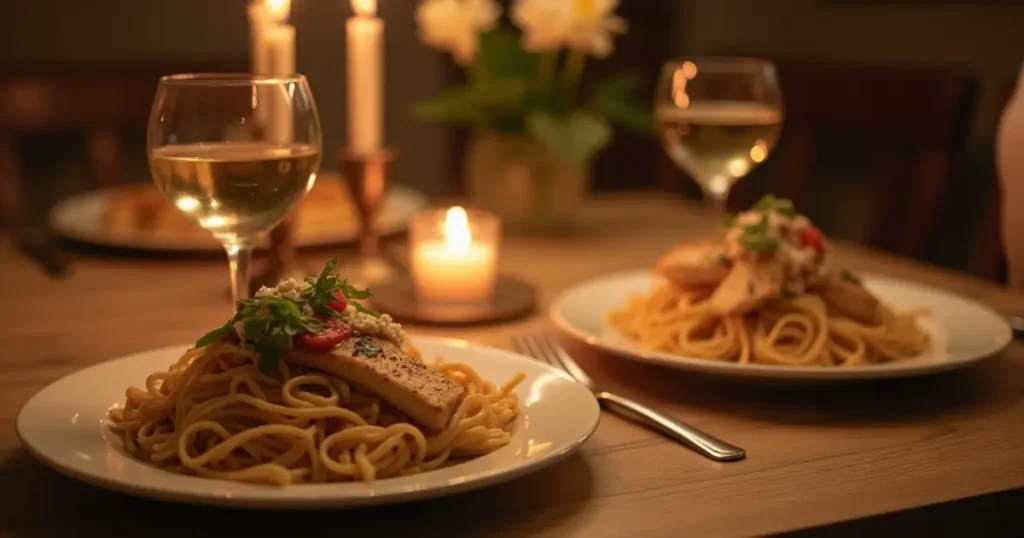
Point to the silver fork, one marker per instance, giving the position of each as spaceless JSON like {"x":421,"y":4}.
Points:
{"x":547,"y":349}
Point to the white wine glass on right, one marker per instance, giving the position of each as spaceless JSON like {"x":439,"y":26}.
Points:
{"x":718,"y":119}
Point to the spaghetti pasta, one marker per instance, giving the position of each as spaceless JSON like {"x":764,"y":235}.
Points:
{"x":215,"y":414}
{"x":799,"y":331}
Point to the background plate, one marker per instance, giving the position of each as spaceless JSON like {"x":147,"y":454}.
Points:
{"x":964,"y":331}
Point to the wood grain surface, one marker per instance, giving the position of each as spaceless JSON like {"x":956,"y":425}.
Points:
{"x":818,"y":459}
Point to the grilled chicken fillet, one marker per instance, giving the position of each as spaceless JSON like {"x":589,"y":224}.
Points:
{"x":428,"y":397}
{"x":695,"y":264}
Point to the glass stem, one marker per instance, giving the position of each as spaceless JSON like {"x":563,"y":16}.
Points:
{"x":239,"y":262}
{"x":716,"y":200}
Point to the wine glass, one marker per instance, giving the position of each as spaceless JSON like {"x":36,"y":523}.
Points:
{"x":718,"y":119}
{"x":234,"y":153}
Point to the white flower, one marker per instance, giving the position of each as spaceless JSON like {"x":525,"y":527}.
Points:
{"x":455,"y":25}
{"x":582,"y":25}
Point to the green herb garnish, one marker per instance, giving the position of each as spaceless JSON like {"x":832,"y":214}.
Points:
{"x":270,"y":323}
{"x":769,"y":203}
{"x":758,"y":238}
{"x":367,"y":347}
{"x":850,"y":277}
{"x":323,"y":288}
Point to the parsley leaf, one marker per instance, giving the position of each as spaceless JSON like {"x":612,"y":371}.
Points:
{"x":323,"y":288}
{"x":367,"y":347}
{"x":271,"y":323}
{"x":216,"y":335}
{"x":758,"y":238}
{"x":769,"y":203}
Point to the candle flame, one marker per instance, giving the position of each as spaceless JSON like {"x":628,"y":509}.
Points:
{"x":365,"y":8}
{"x":277,"y":10}
{"x":457,"y":235}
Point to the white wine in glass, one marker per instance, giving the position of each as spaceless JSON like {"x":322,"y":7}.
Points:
{"x":234,"y":153}
{"x":718,"y":119}
{"x":235,"y":190}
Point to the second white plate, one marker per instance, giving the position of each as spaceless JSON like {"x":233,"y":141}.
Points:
{"x":64,"y":427}
{"x":79,"y":218}
{"x":964,"y":331}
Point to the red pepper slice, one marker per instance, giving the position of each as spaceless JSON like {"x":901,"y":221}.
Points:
{"x":334,"y":332}
{"x":339,"y":303}
{"x":812,"y":237}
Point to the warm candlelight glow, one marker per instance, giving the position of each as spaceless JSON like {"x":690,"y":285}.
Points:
{"x":365,"y":8}
{"x":457,"y":235}
{"x":454,"y":254}
{"x":277,"y":10}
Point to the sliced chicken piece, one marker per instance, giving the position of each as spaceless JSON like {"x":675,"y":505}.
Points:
{"x":695,"y":264}
{"x":746,"y":287}
{"x":850,"y":299}
{"x":428,"y":397}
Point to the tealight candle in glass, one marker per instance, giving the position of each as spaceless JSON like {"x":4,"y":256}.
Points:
{"x":454,"y":254}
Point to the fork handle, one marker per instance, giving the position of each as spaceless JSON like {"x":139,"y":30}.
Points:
{"x":707,"y":445}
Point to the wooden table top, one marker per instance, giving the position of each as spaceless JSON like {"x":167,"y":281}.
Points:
{"x":816,"y":457}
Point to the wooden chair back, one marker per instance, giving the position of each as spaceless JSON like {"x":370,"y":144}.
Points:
{"x":96,"y":102}
{"x":896,"y":130}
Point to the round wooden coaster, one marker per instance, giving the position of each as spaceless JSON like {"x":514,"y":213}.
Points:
{"x":512,"y":298}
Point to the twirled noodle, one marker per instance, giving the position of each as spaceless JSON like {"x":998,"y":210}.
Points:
{"x":792,"y":332}
{"x":214,"y":414}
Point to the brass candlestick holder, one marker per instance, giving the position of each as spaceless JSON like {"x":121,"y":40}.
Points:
{"x":367,"y":177}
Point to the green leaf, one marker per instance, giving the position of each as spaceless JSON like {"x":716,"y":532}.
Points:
{"x":366,"y":347}
{"x":615,"y":99}
{"x":216,"y":335}
{"x":482,"y":104}
{"x":256,"y":327}
{"x":458,"y":105}
{"x":782,"y":206}
{"x":573,"y":138}
{"x":502,"y":56}
{"x":364,"y":310}
{"x":757,"y":237}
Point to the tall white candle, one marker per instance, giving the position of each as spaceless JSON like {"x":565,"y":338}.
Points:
{"x":364,"y":34}
{"x":281,"y":42}
{"x":273,"y":53}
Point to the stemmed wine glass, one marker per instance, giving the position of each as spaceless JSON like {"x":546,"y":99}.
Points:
{"x":718,"y":119}
{"x":234,"y":153}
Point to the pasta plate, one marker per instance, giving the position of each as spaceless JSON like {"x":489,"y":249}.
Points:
{"x":963,"y":331}
{"x":64,"y":426}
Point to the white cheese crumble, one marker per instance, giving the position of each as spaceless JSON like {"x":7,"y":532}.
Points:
{"x":286,"y":289}
{"x":384,"y":326}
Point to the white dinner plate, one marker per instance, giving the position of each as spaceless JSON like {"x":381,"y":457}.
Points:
{"x":79,"y":217}
{"x":64,"y":427}
{"x":963,"y":331}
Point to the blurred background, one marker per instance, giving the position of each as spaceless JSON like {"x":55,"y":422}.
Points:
{"x":891,"y":106}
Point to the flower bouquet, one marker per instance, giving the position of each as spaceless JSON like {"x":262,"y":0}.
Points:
{"x":535,"y":132}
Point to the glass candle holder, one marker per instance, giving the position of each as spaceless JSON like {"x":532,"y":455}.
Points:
{"x":454,"y":254}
